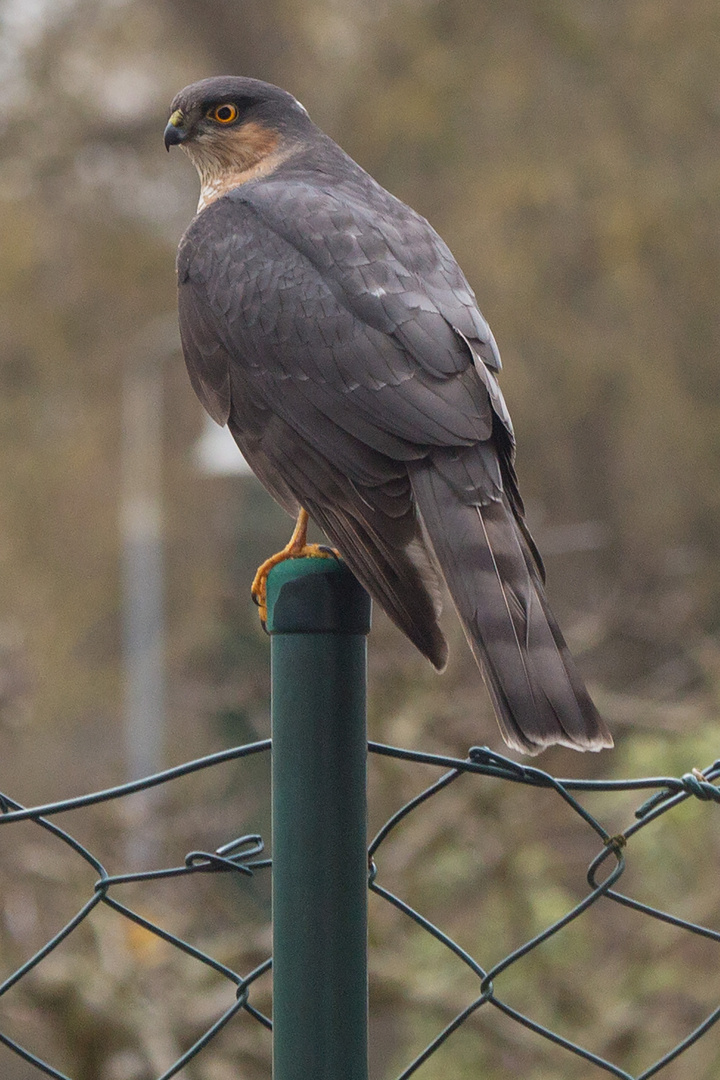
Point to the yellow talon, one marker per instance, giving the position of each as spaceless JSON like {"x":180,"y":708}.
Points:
{"x":297,"y":548}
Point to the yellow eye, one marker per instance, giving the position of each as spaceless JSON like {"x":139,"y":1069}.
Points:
{"x":224,"y":114}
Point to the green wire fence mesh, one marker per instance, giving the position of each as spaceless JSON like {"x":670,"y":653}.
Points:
{"x":318,"y":726}
{"x":244,"y":856}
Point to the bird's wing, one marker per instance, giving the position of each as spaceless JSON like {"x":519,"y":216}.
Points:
{"x":328,"y":320}
{"x":316,"y":399}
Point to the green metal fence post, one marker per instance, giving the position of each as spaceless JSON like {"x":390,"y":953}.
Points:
{"x":318,"y":618}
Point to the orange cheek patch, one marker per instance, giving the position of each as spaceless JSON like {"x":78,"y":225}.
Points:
{"x":232,"y":157}
{"x":249,"y":144}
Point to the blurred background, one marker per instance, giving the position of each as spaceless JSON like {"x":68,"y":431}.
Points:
{"x":568,"y":152}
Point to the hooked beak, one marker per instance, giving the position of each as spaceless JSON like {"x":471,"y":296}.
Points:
{"x":175,"y":132}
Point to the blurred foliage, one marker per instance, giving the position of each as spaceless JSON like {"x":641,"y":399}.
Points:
{"x":567,"y":150}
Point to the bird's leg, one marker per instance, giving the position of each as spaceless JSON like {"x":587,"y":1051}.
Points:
{"x":297,"y":548}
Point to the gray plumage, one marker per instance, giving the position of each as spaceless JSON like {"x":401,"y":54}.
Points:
{"x":330,"y":327}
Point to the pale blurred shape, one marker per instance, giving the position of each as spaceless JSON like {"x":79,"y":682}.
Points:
{"x":217,"y":453}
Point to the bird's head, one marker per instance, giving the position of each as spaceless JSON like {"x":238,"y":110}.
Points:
{"x":233,"y":129}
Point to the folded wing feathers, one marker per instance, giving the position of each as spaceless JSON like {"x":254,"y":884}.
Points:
{"x":402,"y":579}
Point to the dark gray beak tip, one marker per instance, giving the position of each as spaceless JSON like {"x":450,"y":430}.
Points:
{"x":174,"y":136}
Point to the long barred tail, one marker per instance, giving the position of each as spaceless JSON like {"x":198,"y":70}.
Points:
{"x":539,"y":698}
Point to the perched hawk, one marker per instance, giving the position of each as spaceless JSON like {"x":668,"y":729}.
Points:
{"x":329,"y":326}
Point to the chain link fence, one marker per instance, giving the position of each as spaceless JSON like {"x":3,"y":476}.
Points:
{"x":244,"y":856}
